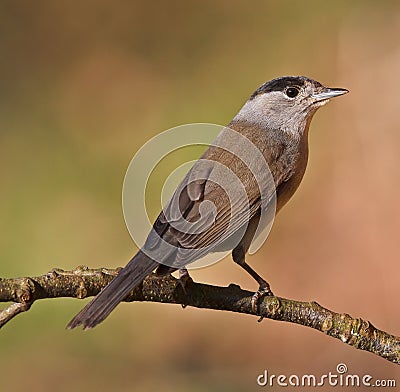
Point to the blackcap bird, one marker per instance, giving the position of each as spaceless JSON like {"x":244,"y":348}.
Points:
{"x":265,"y":147}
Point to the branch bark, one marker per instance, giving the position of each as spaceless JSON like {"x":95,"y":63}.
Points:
{"x":83,"y":282}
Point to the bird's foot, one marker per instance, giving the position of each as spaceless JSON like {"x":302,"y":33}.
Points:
{"x":184,"y":280}
{"x":263,"y":291}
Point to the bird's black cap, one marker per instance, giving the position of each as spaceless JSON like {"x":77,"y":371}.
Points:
{"x":280,"y":84}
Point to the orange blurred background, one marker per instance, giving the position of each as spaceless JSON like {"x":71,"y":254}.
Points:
{"x":84,"y":84}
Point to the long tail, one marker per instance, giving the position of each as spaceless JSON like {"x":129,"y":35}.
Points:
{"x":105,"y":302}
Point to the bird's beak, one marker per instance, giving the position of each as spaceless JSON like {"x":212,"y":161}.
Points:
{"x":328,"y":93}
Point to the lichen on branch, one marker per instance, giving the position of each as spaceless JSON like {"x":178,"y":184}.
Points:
{"x":83,"y":282}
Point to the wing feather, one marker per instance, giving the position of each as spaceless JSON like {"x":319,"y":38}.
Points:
{"x":203,"y":214}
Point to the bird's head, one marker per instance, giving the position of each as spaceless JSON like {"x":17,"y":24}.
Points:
{"x":287,"y":103}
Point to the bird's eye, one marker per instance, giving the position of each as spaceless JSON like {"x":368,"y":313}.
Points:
{"x":291,"y":92}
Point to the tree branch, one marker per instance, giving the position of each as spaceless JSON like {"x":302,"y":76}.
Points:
{"x":83,"y":282}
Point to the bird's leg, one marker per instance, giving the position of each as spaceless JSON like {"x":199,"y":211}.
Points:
{"x":184,"y":280}
{"x":184,"y":277}
{"x":264,"y":290}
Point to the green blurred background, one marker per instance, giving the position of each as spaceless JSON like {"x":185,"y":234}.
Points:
{"x":84,"y":84}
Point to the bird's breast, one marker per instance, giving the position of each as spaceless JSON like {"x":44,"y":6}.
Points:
{"x":295,"y":161}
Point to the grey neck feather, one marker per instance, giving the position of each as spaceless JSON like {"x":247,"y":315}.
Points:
{"x":268,"y":111}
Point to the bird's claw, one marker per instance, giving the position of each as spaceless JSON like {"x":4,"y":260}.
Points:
{"x":184,"y":280}
{"x":263,"y":291}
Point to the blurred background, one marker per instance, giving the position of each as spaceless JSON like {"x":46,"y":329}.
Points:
{"x":84,"y":84}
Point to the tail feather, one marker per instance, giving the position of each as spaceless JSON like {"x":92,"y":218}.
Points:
{"x":105,"y":302}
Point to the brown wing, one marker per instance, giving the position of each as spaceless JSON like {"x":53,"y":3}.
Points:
{"x":224,"y":189}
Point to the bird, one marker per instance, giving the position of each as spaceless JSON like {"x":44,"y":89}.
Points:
{"x":265,"y":149}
